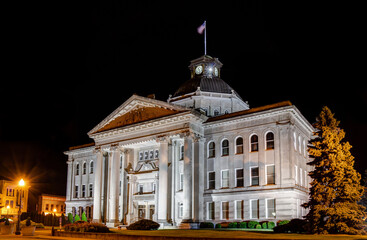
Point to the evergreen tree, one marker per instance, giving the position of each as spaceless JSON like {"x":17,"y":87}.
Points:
{"x":84,"y":217}
{"x":335,"y":187}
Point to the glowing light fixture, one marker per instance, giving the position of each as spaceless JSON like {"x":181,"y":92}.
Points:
{"x":210,"y":69}
{"x":8,"y":207}
{"x":21,"y":182}
{"x":54,"y":210}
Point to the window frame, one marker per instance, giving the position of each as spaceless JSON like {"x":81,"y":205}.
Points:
{"x":270,"y":142}
{"x":267,"y":175}
{"x":224,"y":148}
{"x":236,"y":178}
{"x":238,"y":145}
{"x":254,"y":143}
{"x":226,"y":211}
{"x":210,"y":212}
{"x":236,"y":203}
{"x":222,"y":179}
{"x":84,"y":168}
{"x":258,"y":176}
{"x":209,"y":181}
{"x":267,"y":208}
{"x":211,"y":151}
{"x":91,"y":167}
{"x":257,"y":208}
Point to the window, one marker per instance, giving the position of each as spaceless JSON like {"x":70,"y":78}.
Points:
{"x":211,"y":180}
{"x":239,"y":209}
{"x":270,"y":208}
{"x":254,"y":206}
{"x":239,"y":145}
{"x":52,"y":207}
{"x":181,"y":181}
{"x":76,"y":191}
{"x":146,"y":155}
{"x":270,"y":174}
{"x":83,"y":190}
{"x":180,"y":210}
{"x":90,"y":190}
{"x":216,"y":112}
{"x":211,"y":151}
{"x":182,"y":149}
{"x":153,"y":187}
{"x":254,"y":143}
{"x":140,"y":188}
{"x":269,"y":141}
{"x":151,"y":154}
{"x":225,"y":178}
{"x":77,"y":169}
{"x":225,"y":210}
{"x":91,"y":167}
{"x":46,"y":208}
{"x":225,"y":147}
{"x":141,"y":154}
{"x":254,"y":176}
{"x":11,"y":203}
{"x":211,"y":211}
{"x":84,"y":168}
{"x":239,"y":177}
{"x":156,"y":154}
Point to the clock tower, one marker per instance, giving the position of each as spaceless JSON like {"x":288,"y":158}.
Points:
{"x":206,"y":91}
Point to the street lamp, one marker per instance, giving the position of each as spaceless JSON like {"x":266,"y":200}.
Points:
{"x":7,"y":211}
{"x":19,"y":203}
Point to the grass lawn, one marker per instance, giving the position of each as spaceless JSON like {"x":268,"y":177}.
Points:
{"x":234,"y":234}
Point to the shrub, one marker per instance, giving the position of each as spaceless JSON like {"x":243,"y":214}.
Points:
{"x":77,"y":218}
{"x":218,"y":225}
{"x":258,"y":226}
{"x":294,"y":226}
{"x":28,"y":222}
{"x":271,"y":225}
{"x":86,"y":227}
{"x":206,"y":225}
{"x":84,"y":217}
{"x":264,"y":225}
{"x":279,"y":223}
{"x":224,"y":224}
{"x":242,"y":225}
{"x":252,"y":224}
{"x":143,"y":224}
{"x":70,"y":218}
{"x":232,"y":225}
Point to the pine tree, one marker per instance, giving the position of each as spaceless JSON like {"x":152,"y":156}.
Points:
{"x":335,"y":187}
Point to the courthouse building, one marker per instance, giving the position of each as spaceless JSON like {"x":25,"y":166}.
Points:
{"x":204,"y":155}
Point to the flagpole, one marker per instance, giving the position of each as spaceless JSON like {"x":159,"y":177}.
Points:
{"x":205,"y":38}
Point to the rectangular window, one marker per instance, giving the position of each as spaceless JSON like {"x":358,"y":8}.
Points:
{"x":225,"y":210}
{"x":156,"y":154}
{"x":180,"y":210}
{"x":76,"y":191}
{"x":52,"y":207}
{"x":254,"y":205}
{"x":83,"y":190}
{"x":270,"y":174}
{"x":211,"y":211}
{"x":239,"y":209}
{"x":254,"y":176}
{"x":90,"y":190}
{"x":239,"y":177}
{"x":46,"y":208}
{"x":270,"y":208}
{"x":141,"y":154}
{"x":140,"y":188}
{"x":211,"y":180}
{"x":182,"y":149}
{"x":225,"y":178}
{"x":181,"y":181}
{"x":11,"y":203}
{"x":151,"y":154}
{"x":146,"y":155}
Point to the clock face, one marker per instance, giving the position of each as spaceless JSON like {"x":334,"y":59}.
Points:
{"x":216,"y":72}
{"x":199,"y":69}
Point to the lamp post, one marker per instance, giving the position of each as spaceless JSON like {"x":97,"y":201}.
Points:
{"x":7,"y":211}
{"x":19,"y":200}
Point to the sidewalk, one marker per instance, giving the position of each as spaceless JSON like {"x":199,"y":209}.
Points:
{"x":40,"y":234}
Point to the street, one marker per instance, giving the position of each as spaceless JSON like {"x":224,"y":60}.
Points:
{"x":39,"y":234}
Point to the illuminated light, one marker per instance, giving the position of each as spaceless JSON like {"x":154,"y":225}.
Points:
{"x":8,"y":207}
{"x":54,"y":209}
{"x":21,"y":182}
{"x":210,"y":69}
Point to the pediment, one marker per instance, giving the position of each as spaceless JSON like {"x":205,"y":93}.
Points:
{"x":137,"y":109}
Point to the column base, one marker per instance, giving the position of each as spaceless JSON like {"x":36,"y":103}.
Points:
{"x":112,"y":223}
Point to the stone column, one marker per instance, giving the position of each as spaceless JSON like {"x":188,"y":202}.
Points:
{"x":97,"y":188}
{"x":163,"y":180}
{"x":114,"y":187}
{"x":198,"y":179}
{"x":69,"y":180}
{"x":187,"y":180}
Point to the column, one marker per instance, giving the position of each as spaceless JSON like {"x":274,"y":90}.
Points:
{"x":163,"y":181}
{"x":198,"y":179}
{"x":69,"y":179}
{"x":187,"y":180}
{"x":114,"y":187}
{"x":97,"y":188}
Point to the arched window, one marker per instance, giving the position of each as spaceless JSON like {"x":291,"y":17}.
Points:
{"x":239,"y":145}
{"x":211,"y":150}
{"x":216,"y":112}
{"x":225,"y":147}
{"x":77,"y":169}
{"x":84,"y":167}
{"x":182,"y":152}
{"x":91,"y":167}
{"x":269,"y":140}
{"x":254,"y":143}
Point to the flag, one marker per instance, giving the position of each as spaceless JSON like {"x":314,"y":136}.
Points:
{"x":201,"y":28}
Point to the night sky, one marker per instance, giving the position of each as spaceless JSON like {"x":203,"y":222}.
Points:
{"x":68,"y":65}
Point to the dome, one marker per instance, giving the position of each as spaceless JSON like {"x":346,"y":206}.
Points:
{"x":206,"y":84}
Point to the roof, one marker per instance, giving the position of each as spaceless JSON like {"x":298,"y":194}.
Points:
{"x":249,"y":111}
{"x":206,"y":84}
{"x":82,"y":146}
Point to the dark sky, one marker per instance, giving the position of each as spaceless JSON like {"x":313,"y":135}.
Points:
{"x":70,"y":64}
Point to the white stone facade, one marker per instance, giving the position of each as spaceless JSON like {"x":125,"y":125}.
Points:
{"x":173,"y":163}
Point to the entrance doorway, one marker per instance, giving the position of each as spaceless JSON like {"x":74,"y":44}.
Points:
{"x":141,"y":212}
{"x":151,"y":211}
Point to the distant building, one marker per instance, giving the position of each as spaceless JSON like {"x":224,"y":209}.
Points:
{"x":204,"y":155}
{"x":51,"y":204}
{"x":9,"y":198}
